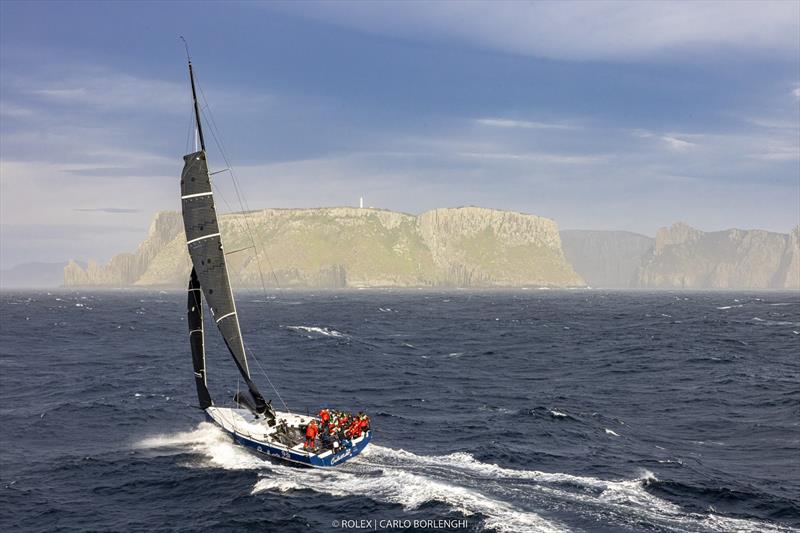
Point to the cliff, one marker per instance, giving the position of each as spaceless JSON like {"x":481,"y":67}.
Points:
{"x":125,"y":269}
{"x":608,"y":259}
{"x":684,"y":257}
{"x":349,"y":247}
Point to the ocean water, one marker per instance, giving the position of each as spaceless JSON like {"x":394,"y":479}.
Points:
{"x":492,"y":410}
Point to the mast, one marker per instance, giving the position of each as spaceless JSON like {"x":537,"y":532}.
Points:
{"x":194,"y":99}
{"x":196,"y":108}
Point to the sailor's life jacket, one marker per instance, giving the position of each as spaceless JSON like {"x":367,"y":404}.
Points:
{"x":311,"y":430}
{"x":325,"y":416}
{"x":355,"y":429}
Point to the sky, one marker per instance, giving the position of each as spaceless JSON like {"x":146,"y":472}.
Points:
{"x":599,"y":115}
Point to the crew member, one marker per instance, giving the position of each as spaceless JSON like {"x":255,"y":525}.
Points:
{"x":325,"y":417}
{"x":311,"y":434}
{"x":354,"y":431}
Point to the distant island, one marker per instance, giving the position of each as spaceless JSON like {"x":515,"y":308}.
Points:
{"x":343,"y":247}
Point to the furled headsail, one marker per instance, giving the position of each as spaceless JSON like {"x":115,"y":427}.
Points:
{"x":208,"y":259}
{"x":194,"y":317}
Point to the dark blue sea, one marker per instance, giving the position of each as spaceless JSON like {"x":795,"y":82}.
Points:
{"x":492,"y":411}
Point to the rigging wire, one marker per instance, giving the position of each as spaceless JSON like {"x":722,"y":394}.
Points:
{"x":278,"y":394}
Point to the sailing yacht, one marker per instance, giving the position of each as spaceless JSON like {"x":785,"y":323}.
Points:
{"x":252,"y":422}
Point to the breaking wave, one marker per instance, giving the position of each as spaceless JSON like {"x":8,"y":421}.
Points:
{"x":326,"y":332}
{"x":503,"y":499}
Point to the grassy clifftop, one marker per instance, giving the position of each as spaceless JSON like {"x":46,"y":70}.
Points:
{"x":350,"y":247}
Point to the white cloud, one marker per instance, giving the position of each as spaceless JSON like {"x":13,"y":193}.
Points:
{"x":674,"y":141}
{"x":525,"y":124}
{"x":676,"y":144}
{"x":576,"y":30}
{"x":557,"y":159}
{"x":796,"y":92}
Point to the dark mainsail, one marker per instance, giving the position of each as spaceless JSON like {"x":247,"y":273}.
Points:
{"x":194,"y":309}
{"x":208,"y":259}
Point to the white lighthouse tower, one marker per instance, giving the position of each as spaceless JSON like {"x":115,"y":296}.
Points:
{"x":361,"y":203}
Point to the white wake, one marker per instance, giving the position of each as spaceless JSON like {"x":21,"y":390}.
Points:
{"x":507,"y":499}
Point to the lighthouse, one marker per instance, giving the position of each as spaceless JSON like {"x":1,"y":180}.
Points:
{"x":361,"y":203}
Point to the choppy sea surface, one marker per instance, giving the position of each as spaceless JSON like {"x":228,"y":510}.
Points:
{"x":493,"y":411}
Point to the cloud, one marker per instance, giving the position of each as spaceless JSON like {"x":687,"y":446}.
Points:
{"x":796,"y":92}
{"x":525,"y":124}
{"x":678,"y":145}
{"x":778,"y":151}
{"x":119,"y":92}
{"x":558,"y":159}
{"x":670,"y":140}
{"x":109,"y":210}
{"x":10,"y":110}
{"x":578,"y":30}
{"x":48,"y":193}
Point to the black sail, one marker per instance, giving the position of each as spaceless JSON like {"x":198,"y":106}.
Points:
{"x":208,"y":260}
{"x":194,"y":309}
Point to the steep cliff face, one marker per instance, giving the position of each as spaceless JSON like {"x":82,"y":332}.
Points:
{"x":473,"y":246}
{"x":788,"y":276}
{"x":126,"y":268}
{"x":609,"y":259}
{"x":684,"y":257}
{"x":338,"y":247}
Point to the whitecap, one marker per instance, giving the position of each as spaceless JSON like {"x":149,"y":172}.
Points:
{"x":327,"y":332}
{"x":611,"y":432}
